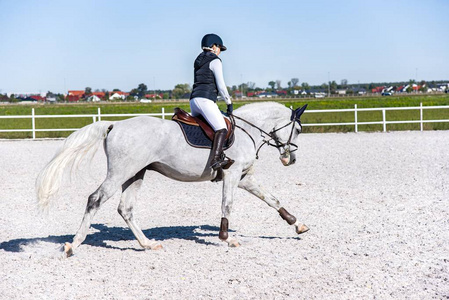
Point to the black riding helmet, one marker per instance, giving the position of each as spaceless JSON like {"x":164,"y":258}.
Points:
{"x":212,"y":39}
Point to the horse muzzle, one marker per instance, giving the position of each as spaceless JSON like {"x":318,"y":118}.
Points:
{"x":287,"y":160}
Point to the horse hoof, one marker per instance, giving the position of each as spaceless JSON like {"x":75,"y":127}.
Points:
{"x":156,"y":247}
{"x":301,"y":229}
{"x":152,"y":246}
{"x":233,"y":243}
{"x":67,"y":250}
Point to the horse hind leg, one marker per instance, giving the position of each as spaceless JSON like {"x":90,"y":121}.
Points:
{"x":125,"y":209}
{"x":96,"y":199}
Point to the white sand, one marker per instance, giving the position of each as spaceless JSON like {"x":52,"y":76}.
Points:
{"x":376,"y":203}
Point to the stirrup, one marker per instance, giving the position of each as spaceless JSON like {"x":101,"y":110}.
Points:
{"x":220,"y":163}
{"x":223,"y":163}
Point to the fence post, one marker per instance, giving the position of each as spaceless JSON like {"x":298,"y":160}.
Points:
{"x":384,"y":120}
{"x":33,"y":123}
{"x":99,"y":114}
{"x":163,"y":113}
{"x":355,"y":118}
{"x":421,"y":115}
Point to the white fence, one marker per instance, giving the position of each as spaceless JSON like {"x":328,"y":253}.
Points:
{"x":384,"y":121}
{"x":355,"y":110}
{"x":95,"y":118}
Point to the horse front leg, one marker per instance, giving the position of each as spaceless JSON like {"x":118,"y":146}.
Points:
{"x":230,"y":182}
{"x":248,"y":183}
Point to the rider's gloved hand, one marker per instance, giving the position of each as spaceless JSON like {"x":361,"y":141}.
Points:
{"x":229,"y":109}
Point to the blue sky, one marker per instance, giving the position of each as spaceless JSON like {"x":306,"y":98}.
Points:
{"x":56,"y":45}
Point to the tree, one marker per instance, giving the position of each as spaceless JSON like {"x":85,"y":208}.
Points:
{"x":142,"y":90}
{"x":87,"y":91}
{"x":344,"y":83}
{"x":4,"y":97}
{"x":272,"y":84}
{"x":180,"y":90}
{"x":305,"y":86}
{"x":334,"y":85}
{"x":116,"y":90}
{"x":251,"y":85}
{"x":278,"y":85}
{"x":294,"y":82}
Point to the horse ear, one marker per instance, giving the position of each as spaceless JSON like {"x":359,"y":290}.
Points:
{"x":300,"y":111}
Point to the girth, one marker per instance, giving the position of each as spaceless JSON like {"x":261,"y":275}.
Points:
{"x":184,"y":117}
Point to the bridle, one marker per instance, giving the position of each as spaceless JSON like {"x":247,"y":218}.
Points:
{"x":271,"y":136}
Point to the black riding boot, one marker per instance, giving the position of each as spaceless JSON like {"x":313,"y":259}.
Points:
{"x":218,"y":157}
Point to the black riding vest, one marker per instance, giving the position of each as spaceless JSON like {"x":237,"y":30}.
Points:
{"x":204,"y":80}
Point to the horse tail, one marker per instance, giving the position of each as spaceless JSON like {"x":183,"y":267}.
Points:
{"x":77,"y":146}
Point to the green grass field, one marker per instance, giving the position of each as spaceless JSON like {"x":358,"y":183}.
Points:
{"x":308,"y":118}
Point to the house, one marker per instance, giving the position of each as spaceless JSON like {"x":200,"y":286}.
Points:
{"x":340,"y":92}
{"x":378,"y":89}
{"x":100,"y":95}
{"x":318,"y":93}
{"x":93,"y":98}
{"x":281,"y":93}
{"x":25,"y":99}
{"x":37,"y":98}
{"x":155,"y":96}
{"x":73,"y":98}
{"x":402,"y":88}
{"x":359,"y":90}
{"x":52,"y":98}
{"x":80,"y":94}
{"x":118,"y":95}
{"x":238,"y":94}
{"x":267,"y":95}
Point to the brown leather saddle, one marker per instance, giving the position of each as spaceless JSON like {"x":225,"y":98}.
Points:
{"x":182,"y":116}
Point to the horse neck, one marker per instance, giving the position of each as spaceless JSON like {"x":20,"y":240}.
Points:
{"x":264,"y":116}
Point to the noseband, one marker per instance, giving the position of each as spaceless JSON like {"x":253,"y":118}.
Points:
{"x":271,"y":136}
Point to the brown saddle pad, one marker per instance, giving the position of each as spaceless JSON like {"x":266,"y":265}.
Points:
{"x":182,"y":116}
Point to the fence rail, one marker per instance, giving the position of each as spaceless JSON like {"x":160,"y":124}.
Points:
{"x":384,"y":121}
{"x":162,"y":114}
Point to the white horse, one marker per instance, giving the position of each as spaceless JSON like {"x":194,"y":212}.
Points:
{"x":136,"y":145}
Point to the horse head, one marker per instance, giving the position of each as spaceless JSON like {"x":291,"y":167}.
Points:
{"x":285,"y":135}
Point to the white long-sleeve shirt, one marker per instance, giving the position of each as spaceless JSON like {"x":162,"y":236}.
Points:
{"x":217,"y":68}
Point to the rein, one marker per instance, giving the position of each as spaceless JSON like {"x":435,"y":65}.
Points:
{"x":278,"y":144}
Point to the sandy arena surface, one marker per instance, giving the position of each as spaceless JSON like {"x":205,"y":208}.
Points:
{"x":377,"y":205}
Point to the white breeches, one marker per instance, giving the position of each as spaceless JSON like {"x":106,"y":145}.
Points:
{"x":209,"y":110}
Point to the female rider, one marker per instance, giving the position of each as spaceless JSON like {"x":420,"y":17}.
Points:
{"x":208,"y":82}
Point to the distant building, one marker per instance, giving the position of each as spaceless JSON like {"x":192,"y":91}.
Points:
{"x":76,"y":93}
{"x":267,"y":95}
{"x":93,"y":98}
